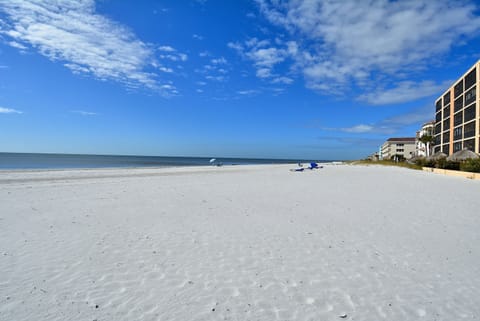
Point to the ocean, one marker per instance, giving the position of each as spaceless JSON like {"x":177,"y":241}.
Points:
{"x":65,"y":161}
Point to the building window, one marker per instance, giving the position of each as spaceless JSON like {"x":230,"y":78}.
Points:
{"x":458,"y":119}
{"x":438,"y":127}
{"x":446,"y":137}
{"x":446,"y":111}
{"x":471,"y":78}
{"x":469,"y":144}
{"x":469,"y":130}
{"x":400,"y":150}
{"x":438,"y":105}
{"x":458,"y":104}
{"x":458,"y":89}
{"x":470,"y":113}
{"x":438,"y":117}
{"x":446,"y":149}
{"x":470,"y":96}
{"x":446,"y":99}
{"x":446,"y":124}
{"x":437,"y":140}
{"x":457,"y":146}
{"x":457,"y":133}
{"x":399,"y":144}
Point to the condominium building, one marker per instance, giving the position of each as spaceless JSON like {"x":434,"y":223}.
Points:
{"x":397,"y":148}
{"x":457,"y":115}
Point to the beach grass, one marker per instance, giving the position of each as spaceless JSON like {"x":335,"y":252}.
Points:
{"x":386,"y":163}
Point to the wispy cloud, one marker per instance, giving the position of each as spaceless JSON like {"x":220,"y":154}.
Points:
{"x":197,"y":37}
{"x":166,"y":48}
{"x":249,"y":92}
{"x":282,"y":80}
{"x":404,"y":91}
{"x":347,"y":42}
{"x":219,"y":61}
{"x":171,"y":54}
{"x":390,"y":125}
{"x":265,"y":56}
{"x":216,"y":69}
{"x":4,"y":110}
{"x":72,"y":32}
{"x":84,"y":113}
{"x":351,"y":140}
{"x":358,"y":129}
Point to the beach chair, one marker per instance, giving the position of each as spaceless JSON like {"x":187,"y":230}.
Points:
{"x":297,"y":169}
{"x":313,"y":166}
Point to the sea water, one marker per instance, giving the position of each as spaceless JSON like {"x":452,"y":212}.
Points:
{"x":64,"y":161}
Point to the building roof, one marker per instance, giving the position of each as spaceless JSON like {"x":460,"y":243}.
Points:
{"x":401,"y":139}
{"x":429,"y":123}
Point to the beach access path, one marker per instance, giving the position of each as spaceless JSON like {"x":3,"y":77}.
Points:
{"x":239,"y":243}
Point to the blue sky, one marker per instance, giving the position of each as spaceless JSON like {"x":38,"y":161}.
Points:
{"x":268,"y":79}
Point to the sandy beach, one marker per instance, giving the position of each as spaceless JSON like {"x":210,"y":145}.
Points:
{"x":239,"y":243}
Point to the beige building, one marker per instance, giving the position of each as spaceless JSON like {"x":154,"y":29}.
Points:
{"x":403,"y":147}
{"x":457,"y":115}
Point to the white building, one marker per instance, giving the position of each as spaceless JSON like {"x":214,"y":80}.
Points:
{"x":398,"y":148}
{"x":425,"y":149}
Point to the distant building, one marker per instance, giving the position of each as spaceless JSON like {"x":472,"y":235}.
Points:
{"x":424,"y":149}
{"x":373,"y":157}
{"x":457,"y":115}
{"x":398,"y":148}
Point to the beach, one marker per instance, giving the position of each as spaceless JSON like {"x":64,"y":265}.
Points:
{"x":246,"y":242}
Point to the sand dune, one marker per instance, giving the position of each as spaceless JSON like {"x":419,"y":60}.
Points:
{"x":239,"y":243}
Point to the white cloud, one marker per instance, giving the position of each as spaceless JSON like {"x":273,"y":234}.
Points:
{"x":249,"y":92}
{"x":418,"y":116}
{"x":216,"y":70}
{"x":265,"y":56}
{"x":71,"y":32}
{"x":165,"y":69}
{"x":170,"y":53}
{"x":236,"y":46}
{"x":17,"y":45}
{"x":264,"y":73}
{"x":358,"y":129}
{"x":166,"y":48}
{"x":197,"y":37}
{"x":392,"y":124}
{"x":404,"y":91}
{"x":216,"y":78}
{"x":345,"y":41}
{"x":4,"y":110}
{"x":219,"y":61}
{"x":84,"y":113}
{"x":282,"y":80}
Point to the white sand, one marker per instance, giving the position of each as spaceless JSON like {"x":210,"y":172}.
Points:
{"x":239,"y":243}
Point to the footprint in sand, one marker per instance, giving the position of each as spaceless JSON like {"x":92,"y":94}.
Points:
{"x":310,"y":301}
{"x":421,"y":312}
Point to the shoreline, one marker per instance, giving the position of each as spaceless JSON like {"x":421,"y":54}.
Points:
{"x":29,"y":161}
